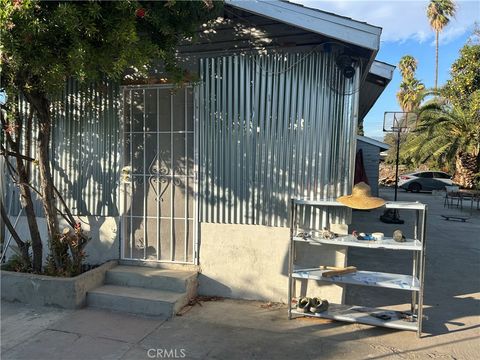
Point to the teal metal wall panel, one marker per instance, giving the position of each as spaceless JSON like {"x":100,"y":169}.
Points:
{"x":85,"y":149}
{"x":273,"y":127}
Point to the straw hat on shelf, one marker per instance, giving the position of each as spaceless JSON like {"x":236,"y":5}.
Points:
{"x":361,"y":198}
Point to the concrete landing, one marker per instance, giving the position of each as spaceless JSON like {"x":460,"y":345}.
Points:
{"x":144,"y":291}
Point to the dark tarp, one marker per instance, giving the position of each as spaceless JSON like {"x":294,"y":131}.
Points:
{"x":360,"y":173}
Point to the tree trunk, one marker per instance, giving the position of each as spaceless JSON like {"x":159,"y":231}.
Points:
{"x":42,"y":108}
{"x":26,"y":198}
{"x":28,"y":141}
{"x":23,"y":246}
{"x":436,"y":60}
{"x":46,"y":181}
{"x":27,"y":204}
{"x":466,"y":168}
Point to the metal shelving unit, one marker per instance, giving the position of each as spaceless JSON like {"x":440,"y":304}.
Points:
{"x":407,"y":320}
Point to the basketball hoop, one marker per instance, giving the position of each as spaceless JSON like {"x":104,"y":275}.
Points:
{"x":397,"y":122}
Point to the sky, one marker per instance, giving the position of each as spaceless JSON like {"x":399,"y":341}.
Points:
{"x":406,"y":31}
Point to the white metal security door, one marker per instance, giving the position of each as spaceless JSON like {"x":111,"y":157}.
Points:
{"x":158,"y":177}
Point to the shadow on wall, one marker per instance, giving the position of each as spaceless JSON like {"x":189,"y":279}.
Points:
{"x":85,"y":165}
{"x":275,"y":147}
{"x":211,"y":286}
{"x":104,"y":243}
{"x":103,"y":231}
{"x":84,"y":150}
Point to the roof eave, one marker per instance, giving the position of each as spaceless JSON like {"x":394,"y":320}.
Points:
{"x":383,"y":70}
{"x":373,"y":142}
{"x":376,"y":80}
{"x":331,"y":25}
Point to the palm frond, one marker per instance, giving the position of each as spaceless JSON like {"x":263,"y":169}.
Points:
{"x":442,"y":131}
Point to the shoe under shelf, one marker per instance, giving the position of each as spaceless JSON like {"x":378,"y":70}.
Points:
{"x":359,"y":314}
{"x":365,"y":278}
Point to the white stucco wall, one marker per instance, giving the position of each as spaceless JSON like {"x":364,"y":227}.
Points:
{"x":251,"y":262}
{"x":104,"y":243}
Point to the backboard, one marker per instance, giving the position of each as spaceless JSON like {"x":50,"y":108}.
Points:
{"x":399,"y":121}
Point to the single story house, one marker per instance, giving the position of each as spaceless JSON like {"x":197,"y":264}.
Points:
{"x":371,"y":150}
{"x":201,"y":176}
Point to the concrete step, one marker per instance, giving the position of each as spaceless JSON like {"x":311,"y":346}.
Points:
{"x":137,"y":300}
{"x":160,"y":265}
{"x":153,"y":278}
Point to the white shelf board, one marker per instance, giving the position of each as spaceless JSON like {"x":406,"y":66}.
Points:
{"x":408,"y":205}
{"x":325,"y":202}
{"x":347,"y":314}
{"x":365,"y":278}
{"x":350,"y":240}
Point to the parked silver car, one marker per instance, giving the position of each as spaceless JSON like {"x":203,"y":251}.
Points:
{"x":424,"y":180}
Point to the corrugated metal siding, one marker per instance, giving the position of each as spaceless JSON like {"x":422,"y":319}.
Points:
{"x":273,"y":127}
{"x":85,"y":149}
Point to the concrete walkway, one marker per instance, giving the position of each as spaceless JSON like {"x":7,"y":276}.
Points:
{"x":231,"y":329}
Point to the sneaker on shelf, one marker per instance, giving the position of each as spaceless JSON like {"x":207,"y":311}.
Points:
{"x":314,"y":303}
{"x":304,"y":304}
{"x":318,"y":305}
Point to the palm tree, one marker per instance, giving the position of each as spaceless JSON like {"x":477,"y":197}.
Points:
{"x":407,"y":66}
{"x":411,"y":90}
{"x":449,"y":136}
{"x":439,"y":13}
{"x":410,"y":94}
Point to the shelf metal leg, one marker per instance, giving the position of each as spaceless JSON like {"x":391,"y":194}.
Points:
{"x":290,"y":281}
{"x":290,"y":258}
{"x":413,"y":306}
{"x":414,"y":303}
{"x":422,"y":273}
